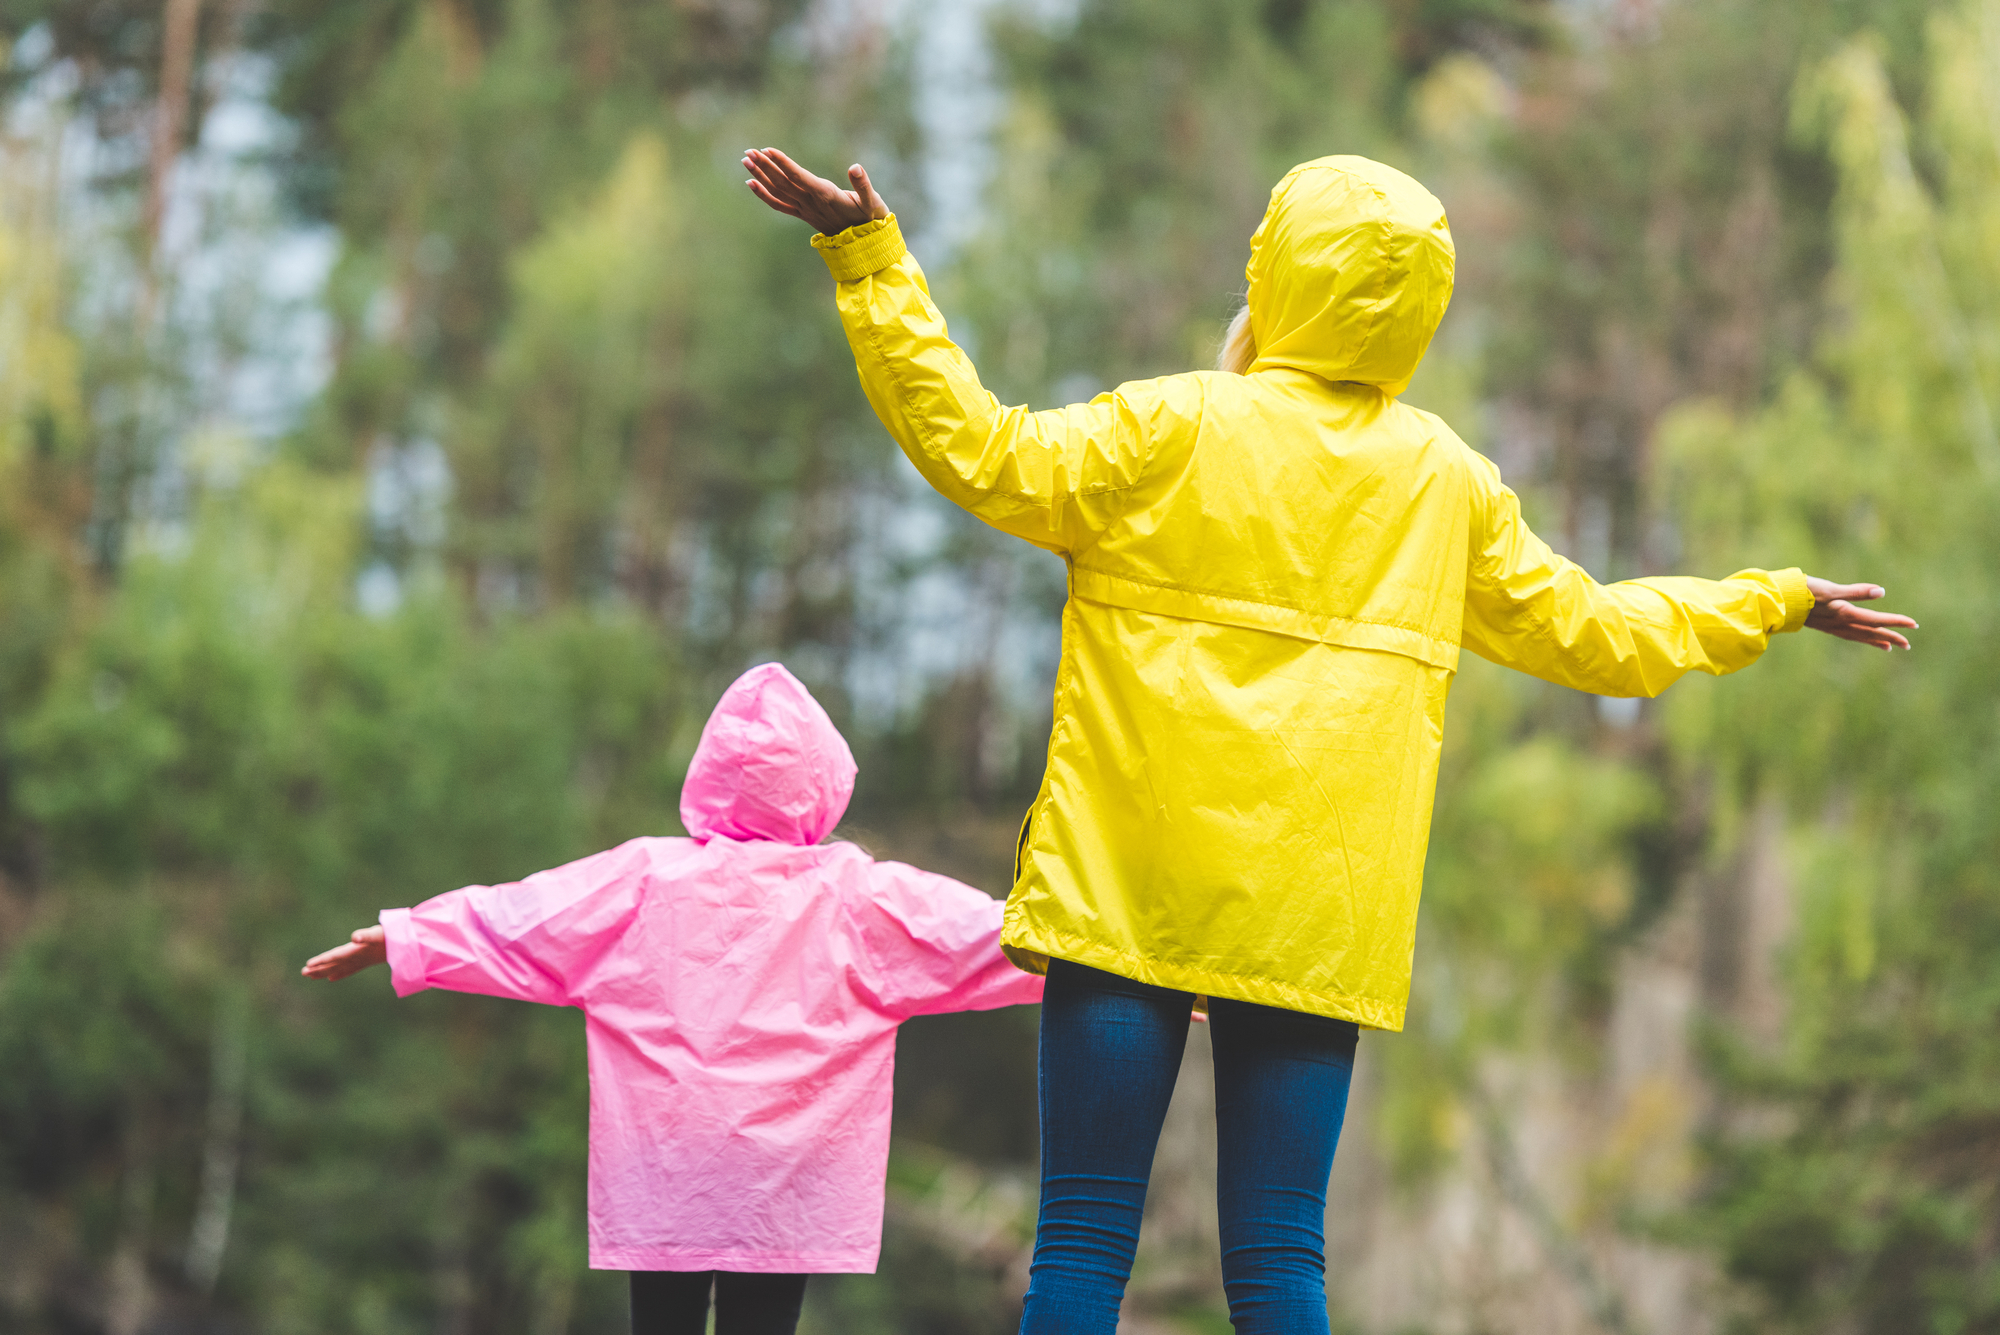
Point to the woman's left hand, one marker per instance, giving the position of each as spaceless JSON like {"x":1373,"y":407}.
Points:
{"x":791,"y":189}
{"x":1835,"y":613}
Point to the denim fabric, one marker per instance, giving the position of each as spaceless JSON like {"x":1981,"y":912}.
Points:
{"x":1110,"y":1051}
{"x":675,"y":1302}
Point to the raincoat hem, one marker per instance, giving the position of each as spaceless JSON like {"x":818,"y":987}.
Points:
{"x":1025,"y":937}
{"x":857,"y":1262}
{"x":1027,"y":961}
{"x":1099,"y":586}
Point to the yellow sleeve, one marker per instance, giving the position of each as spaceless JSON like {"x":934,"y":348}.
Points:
{"x":1528,"y":608}
{"x":1055,"y":478}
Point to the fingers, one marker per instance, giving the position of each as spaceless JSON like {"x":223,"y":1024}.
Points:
{"x":774,"y":183}
{"x":1835,"y":613}
{"x":788,"y":180}
{"x":365,"y":947}
{"x":1848,"y":622}
{"x":331,"y":964}
{"x":790,"y":189}
{"x":857,"y":176}
{"x":1879,"y":639}
{"x":1865,"y":616}
{"x":800,"y":178}
{"x":1840,"y":612}
{"x":757,"y":188}
{"x":1825,"y":590}
{"x":774,"y":180}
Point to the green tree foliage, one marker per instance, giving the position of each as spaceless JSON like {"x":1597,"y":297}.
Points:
{"x":1873,"y":1202}
{"x":1141,"y":141}
{"x":548,"y":274}
{"x":590,"y":442}
{"x":217,"y":758}
{"x":1673,"y":243}
{"x":234,"y":767}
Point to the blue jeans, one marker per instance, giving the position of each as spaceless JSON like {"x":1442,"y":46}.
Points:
{"x":1110,"y":1050}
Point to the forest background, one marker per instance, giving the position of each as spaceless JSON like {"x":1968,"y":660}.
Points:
{"x":408,"y":424}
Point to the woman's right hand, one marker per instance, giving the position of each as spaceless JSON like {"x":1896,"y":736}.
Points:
{"x":796,"y":192}
{"x":1835,"y":613}
{"x":368,"y":947}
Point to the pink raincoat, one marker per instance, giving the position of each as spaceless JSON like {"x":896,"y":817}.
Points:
{"x":741,"y":991}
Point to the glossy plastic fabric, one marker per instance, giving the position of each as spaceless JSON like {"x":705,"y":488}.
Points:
{"x":741,"y":992}
{"x":1270,"y":577}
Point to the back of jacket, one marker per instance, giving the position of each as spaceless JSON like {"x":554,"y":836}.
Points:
{"x":741,"y":991}
{"x":1250,"y":705}
{"x":1320,"y":511}
{"x":1270,"y":578}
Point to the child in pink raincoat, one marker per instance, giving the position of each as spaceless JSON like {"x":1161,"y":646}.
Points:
{"x":741,"y":991}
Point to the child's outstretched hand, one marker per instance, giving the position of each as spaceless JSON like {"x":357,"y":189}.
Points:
{"x":791,"y":189}
{"x":1835,"y":613}
{"x":368,"y":947}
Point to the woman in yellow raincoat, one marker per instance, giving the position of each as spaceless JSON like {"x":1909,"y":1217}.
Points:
{"x":1272,"y":568}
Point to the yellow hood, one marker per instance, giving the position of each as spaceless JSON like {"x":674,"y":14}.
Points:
{"x":1350,"y":272}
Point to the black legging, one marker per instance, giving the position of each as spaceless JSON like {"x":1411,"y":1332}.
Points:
{"x":675,"y":1302}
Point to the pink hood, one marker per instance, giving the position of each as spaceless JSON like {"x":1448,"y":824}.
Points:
{"x":770,"y":765}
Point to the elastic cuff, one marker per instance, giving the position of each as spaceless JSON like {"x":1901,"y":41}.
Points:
{"x":860,"y":251}
{"x":1798,"y":597}
{"x":406,"y":957}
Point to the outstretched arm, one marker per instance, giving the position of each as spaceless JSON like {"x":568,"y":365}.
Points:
{"x":1530,"y":609}
{"x":532,"y":940}
{"x":1054,"y":478}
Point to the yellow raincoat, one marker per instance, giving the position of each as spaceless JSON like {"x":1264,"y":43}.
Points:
{"x":1270,"y":576}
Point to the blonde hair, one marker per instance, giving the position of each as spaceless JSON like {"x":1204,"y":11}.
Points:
{"x":1239,"y":345}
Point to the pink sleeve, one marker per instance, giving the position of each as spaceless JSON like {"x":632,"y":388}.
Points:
{"x":533,"y":940}
{"x":934,"y":946}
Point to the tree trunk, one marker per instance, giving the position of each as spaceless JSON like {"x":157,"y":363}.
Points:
{"x":221,"y":1150}
{"x":130,"y":1297}
{"x":176,"y":74}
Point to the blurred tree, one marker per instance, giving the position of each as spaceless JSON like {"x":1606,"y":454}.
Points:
{"x":575,"y":385}
{"x":44,"y":477}
{"x":643,"y":470}
{"x":1141,"y":141}
{"x":231,"y":770}
{"x":145,"y":77}
{"x":516,"y":288}
{"x":1672,"y":242}
{"x":1854,"y":1180}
